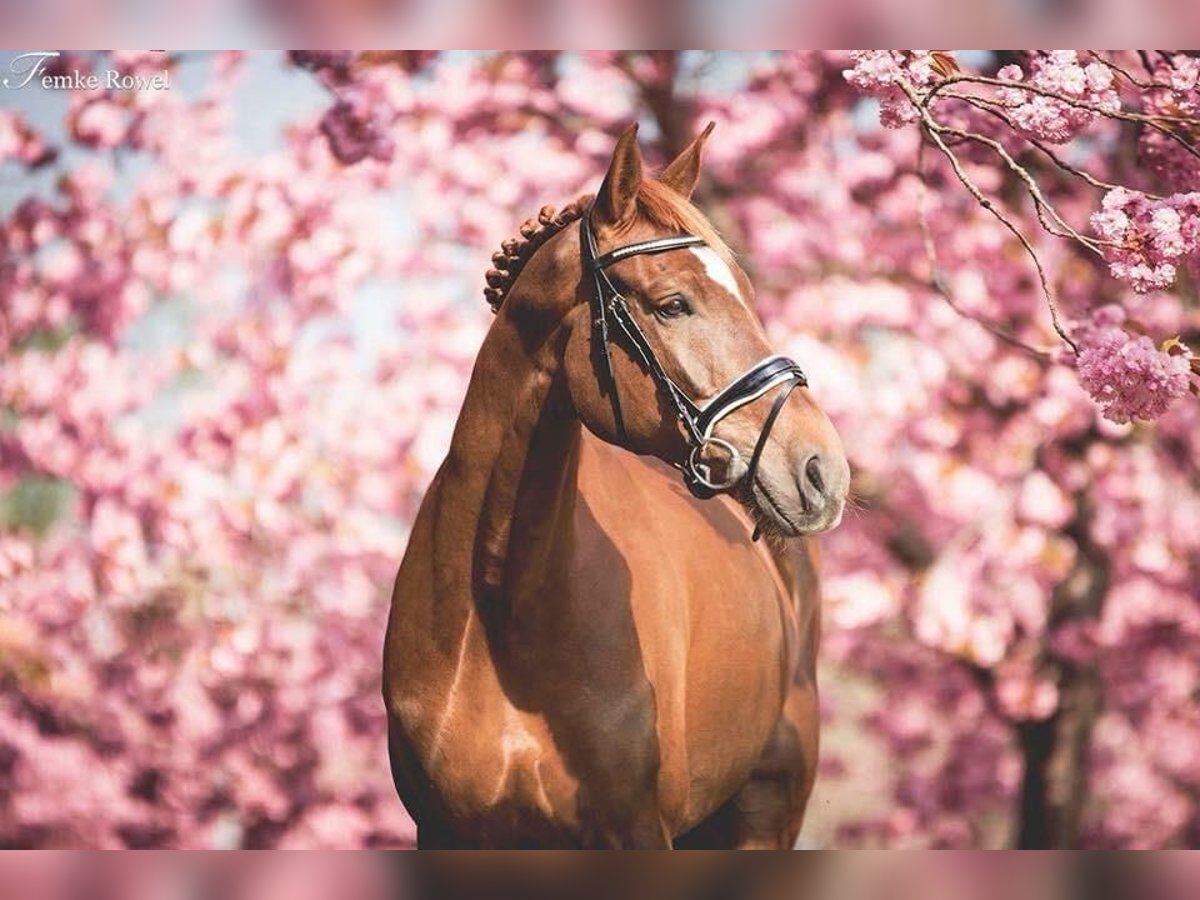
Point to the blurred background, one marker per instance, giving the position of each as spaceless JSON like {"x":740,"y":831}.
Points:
{"x":484,"y":24}
{"x":240,"y":297}
{"x":556,"y":875}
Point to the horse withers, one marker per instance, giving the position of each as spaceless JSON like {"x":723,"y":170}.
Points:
{"x":586,"y":649}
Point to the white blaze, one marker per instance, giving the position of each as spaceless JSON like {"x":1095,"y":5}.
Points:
{"x":718,"y":271}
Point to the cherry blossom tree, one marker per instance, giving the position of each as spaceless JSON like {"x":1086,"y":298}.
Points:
{"x":228,"y":376}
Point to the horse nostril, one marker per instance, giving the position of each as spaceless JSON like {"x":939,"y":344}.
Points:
{"x":812,"y":469}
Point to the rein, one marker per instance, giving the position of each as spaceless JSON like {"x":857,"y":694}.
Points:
{"x":609,"y":309}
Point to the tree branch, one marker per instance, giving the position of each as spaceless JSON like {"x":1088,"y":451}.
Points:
{"x":938,"y":281}
{"x":935,"y":130}
{"x":1154,"y":121}
{"x":997,"y":111}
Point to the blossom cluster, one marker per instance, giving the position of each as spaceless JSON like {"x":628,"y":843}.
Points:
{"x":1148,"y":238}
{"x":1076,"y":93}
{"x":1128,"y":376}
{"x":880,"y":74}
{"x":1175,"y":92}
{"x":354,"y":135}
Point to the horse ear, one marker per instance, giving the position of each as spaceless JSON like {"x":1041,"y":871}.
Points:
{"x":683,"y":171}
{"x":617,"y":199}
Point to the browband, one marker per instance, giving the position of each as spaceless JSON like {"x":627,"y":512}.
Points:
{"x":656,"y":245}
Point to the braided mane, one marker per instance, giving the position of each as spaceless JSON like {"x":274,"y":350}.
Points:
{"x":657,"y":202}
{"x":510,"y":259}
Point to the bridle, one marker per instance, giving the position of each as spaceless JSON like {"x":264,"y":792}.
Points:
{"x":609,"y":308}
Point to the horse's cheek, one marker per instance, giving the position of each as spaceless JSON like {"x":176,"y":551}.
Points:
{"x":593,"y":410}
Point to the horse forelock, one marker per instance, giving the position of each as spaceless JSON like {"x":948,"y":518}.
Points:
{"x":666,"y":208}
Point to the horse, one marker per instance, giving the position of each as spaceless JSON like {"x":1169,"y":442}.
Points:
{"x":585,"y":650}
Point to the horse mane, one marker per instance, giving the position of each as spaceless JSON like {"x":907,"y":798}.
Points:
{"x":510,"y":259}
{"x":656,"y":202}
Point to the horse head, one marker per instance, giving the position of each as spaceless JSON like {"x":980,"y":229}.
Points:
{"x":664,"y":354}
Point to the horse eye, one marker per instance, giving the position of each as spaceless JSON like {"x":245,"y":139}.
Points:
{"x":672,"y":308}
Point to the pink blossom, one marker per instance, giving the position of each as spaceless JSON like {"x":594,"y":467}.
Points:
{"x":1049,"y":118}
{"x":1148,"y":238}
{"x":880,"y":73}
{"x":354,"y":135}
{"x":1177,"y":93}
{"x":99,"y":123}
{"x":20,"y":142}
{"x":1129,"y":377}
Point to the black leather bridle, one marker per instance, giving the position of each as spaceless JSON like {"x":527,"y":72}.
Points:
{"x":609,"y":308}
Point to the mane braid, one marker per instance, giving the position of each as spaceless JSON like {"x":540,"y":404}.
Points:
{"x":656,"y":202}
{"x":510,"y":259}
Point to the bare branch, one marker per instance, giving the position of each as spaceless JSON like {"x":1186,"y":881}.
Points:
{"x":992,"y":108}
{"x":1146,"y":64}
{"x":1041,"y":205}
{"x":938,"y":281}
{"x":1129,"y":76}
{"x":935,"y":130}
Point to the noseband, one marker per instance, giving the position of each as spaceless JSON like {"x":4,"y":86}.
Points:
{"x":609,"y":308}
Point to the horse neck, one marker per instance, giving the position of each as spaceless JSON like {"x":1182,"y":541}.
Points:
{"x":509,"y":484}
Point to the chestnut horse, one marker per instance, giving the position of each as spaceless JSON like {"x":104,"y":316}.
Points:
{"x":580,"y":653}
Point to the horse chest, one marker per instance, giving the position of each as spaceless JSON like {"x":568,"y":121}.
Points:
{"x":619,"y":701}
